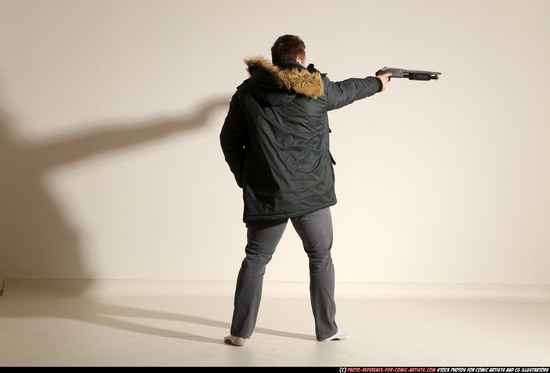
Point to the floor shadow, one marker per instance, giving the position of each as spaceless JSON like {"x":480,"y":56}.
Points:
{"x":36,"y":239}
{"x":110,"y":316}
{"x":120,"y":317}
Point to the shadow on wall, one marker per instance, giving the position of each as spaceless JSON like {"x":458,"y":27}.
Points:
{"x":36,"y":240}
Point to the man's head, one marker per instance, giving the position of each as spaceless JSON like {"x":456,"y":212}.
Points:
{"x":288,"y":48}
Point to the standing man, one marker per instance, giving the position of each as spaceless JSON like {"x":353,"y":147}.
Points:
{"x":275,"y":140}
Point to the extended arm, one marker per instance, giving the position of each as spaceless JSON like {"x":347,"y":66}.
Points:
{"x":340,"y":94}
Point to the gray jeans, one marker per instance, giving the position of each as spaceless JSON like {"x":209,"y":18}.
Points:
{"x":315,"y":231}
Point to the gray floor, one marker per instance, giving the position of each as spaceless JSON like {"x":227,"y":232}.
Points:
{"x":64,"y":323}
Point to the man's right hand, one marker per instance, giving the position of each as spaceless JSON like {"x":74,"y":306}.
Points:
{"x":384,"y":78}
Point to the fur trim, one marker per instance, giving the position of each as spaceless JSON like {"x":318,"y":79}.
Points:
{"x":300,"y":81}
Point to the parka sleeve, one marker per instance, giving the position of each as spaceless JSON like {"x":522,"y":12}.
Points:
{"x":233,"y":139}
{"x":340,"y":94}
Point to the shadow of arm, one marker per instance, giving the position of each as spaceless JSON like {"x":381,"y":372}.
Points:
{"x":80,"y":146}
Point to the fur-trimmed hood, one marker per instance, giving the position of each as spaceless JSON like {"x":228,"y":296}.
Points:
{"x":292,"y":76}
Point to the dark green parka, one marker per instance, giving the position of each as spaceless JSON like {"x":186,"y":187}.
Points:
{"x":275,"y":137}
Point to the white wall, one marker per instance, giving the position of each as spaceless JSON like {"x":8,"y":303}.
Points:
{"x":111,"y":168}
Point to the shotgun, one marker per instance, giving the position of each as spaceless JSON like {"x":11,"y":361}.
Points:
{"x":409,"y":74}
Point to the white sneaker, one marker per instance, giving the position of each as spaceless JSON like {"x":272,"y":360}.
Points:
{"x":336,"y":337}
{"x":235,"y":341}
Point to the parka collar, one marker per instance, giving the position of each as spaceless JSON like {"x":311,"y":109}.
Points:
{"x":289,"y":75}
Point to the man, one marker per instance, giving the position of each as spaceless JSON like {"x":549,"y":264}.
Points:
{"x":275,"y":139}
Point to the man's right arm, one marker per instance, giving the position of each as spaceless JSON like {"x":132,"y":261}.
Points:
{"x":340,"y":94}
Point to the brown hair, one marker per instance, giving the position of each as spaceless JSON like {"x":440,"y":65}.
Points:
{"x":288,"y":47}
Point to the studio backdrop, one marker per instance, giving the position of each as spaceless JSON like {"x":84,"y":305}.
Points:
{"x":111,"y":168}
